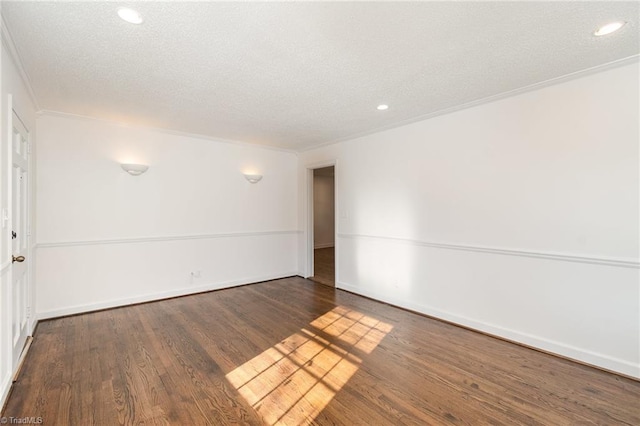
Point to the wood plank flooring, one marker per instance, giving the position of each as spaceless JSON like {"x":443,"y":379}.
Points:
{"x":294,"y":352}
{"x":324,"y":268}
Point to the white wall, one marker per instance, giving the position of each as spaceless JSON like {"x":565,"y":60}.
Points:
{"x":107,"y":238}
{"x":323,"y":211}
{"x":14,"y":96}
{"x":517,"y":217}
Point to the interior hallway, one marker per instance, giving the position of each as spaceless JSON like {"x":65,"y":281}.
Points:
{"x":324,"y":267}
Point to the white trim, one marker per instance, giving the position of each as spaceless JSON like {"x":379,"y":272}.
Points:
{"x":5,"y":387}
{"x":7,"y":41}
{"x":322,"y":164}
{"x":308,"y":247}
{"x":310,"y":244}
{"x":323,"y":245}
{"x":150,"y":297}
{"x":579,"y":354}
{"x":564,"y":257}
{"x":515,"y":92}
{"x":22,"y":128}
{"x":162,"y":239}
{"x":161,"y":130}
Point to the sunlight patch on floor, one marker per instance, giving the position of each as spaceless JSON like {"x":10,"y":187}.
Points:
{"x":294,"y":380}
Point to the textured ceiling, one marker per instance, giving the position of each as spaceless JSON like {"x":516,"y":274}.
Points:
{"x":297,"y":75}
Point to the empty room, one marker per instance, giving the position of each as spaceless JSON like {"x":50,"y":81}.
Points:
{"x":331,"y":213}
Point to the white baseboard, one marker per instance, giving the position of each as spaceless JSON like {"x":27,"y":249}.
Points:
{"x":323,"y":245}
{"x":568,"y":351}
{"x":150,"y":297}
{"x":5,"y":387}
{"x":7,"y":382}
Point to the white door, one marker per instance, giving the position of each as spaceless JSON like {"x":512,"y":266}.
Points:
{"x":20,"y":238}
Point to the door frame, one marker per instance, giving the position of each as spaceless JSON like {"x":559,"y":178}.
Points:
{"x":309,"y":246}
{"x":17,"y":123}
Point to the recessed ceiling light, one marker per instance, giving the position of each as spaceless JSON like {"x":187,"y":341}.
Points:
{"x":130,"y":15}
{"x":382,"y":107}
{"x":609,"y":28}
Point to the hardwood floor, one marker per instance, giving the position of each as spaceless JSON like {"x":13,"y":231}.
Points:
{"x":324,"y":266}
{"x":294,"y":352}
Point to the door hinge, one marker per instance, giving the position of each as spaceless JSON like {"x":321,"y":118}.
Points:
{"x":28,"y":147}
{"x":14,"y":235}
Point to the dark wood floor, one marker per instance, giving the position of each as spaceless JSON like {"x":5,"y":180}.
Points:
{"x":295,"y":352}
{"x":324,"y":267}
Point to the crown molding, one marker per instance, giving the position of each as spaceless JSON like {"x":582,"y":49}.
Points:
{"x":7,"y":42}
{"x":508,"y":94}
{"x":68,"y":115}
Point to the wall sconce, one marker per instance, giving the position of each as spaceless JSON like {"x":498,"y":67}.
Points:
{"x":134,"y":169}
{"x":253,"y":178}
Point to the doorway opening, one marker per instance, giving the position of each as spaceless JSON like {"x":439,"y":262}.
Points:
{"x":324,"y":226}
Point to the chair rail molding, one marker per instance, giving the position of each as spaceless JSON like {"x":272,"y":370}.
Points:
{"x":563,"y":257}
{"x":164,"y":238}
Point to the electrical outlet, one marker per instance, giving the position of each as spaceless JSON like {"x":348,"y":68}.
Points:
{"x":196,"y":274}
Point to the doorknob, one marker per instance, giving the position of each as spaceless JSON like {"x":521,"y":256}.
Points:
{"x":18,"y":259}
